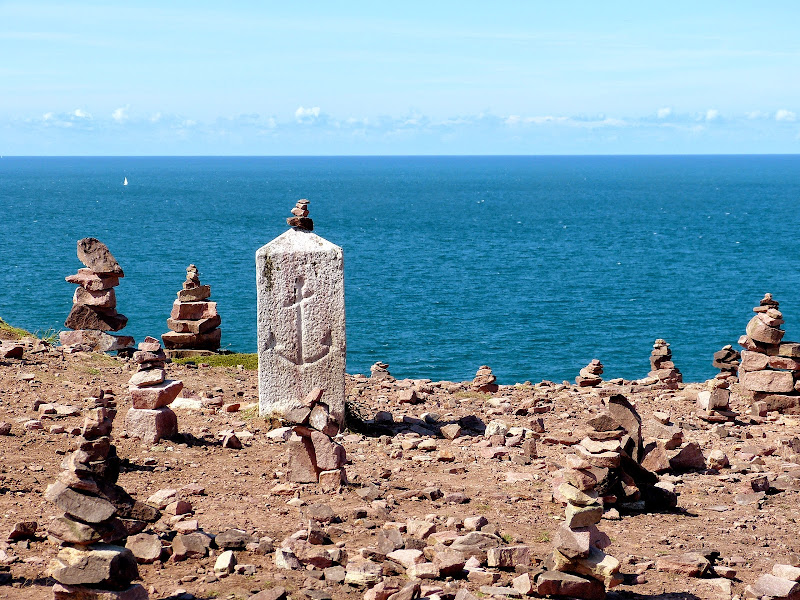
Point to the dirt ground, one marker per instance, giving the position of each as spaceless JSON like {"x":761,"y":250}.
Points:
{"x":246,"y":488}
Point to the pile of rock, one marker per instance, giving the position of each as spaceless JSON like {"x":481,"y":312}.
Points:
{"x":782,"y":584}
{"x":312,"y":454}
{"x":589,"y":375}
{"x":578,"y":567}
{"x":727,"y":361}
{"x":662,"y":367}
{"x":769,"y":374}
{"x":301,"y":220}
{"x":94,"y":303}
{"x":380,"y":372}
{"x":485,"y":381}
{"x":98,"y":516}
{"x":194,"y":321}
{"x":149,"y":418}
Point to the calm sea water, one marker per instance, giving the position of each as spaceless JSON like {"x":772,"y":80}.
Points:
{"x":532,"y":265}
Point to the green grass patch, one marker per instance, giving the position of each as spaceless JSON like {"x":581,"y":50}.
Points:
{"x":9,"y":331}
{"x":249,"y":361}
{"x":543,"y":537}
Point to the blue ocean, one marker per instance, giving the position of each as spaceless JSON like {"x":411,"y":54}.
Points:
{"x":532,"y":265}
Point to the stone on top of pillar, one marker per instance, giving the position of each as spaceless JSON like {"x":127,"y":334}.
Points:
{"x":301,"y":319}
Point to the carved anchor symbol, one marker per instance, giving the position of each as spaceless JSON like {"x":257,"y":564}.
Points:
{"x":297,"y":355}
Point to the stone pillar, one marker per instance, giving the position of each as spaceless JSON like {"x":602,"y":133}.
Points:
{"x":301,"y":319}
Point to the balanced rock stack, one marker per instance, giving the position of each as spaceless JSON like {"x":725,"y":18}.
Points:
{"x":312,"y":455}
{"x":714,"y":401}
{"x":662,"y":367}
{"x":98,"y":516}
{"x":589,"y":375}
{"x":301,"y":220}
{"x":769,"y":374}
{"x":485,"y":381}
{"x":194,"y":321}
{"x":150,"y":419}
{"x":578,"y":567}
{"x":380,"y":372}
{"x":94,"y":303}
{"x":727,"y":361}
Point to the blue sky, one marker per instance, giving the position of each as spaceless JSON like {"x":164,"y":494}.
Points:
{"x":284,"y":78}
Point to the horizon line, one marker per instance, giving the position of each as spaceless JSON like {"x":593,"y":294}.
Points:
{"x":3,"y":156}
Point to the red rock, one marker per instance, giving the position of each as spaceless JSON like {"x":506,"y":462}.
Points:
{"x":774,"y":382}
{"x":691,"y":564}
{"x":301,"y":459}
{"x":150,"y":344}
{"x":156,"y":396}
{"x":98,"y":341}
{"x":196,"y":294}
{"x":100,"y":299}
{"x":151,"y":425}
{"x":329,"y":454}
{"x":688,"y":457}
{"x":193,"y":310}
{"x":91,"y":281}
{"x":761,"y":332}
{"x":11,"y":350}
{"x":197,"y":326}
{"x":84,"y":317}
{"x":555,"y":583}
{"x":96,"y":255}
{"x":198,"y":341}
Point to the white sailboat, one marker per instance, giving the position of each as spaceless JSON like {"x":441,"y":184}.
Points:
{"x":125,"y":182}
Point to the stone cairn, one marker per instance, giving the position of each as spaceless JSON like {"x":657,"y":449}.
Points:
{"x":301,"y":220}
{"x":727,"y":361}
{"x":94,"y":303}
{"x":589,"y":375}
{"x":97,"y":516}
{"x":485,"y":381}
{"x":662,"y":367}
{"x":149,"y":418}
{"x":380,"y":372}
{"x":578,"y":567}
{"x":194,"y":321}
{"x":312,"y":455}
{"x":769,"y":374}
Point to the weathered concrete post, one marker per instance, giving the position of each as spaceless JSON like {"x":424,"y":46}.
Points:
{"x":301,"y":319}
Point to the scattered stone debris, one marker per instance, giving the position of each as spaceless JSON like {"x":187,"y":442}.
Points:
{"x":94,"y":303}
{"x":769,"y":373}
{"x":150,"y":418}
{"x":781,"y":584}
{"x":97,"y":516}
{"x":662,"y":367}
{"x":194,"y":321}
{"x":589,"y":375}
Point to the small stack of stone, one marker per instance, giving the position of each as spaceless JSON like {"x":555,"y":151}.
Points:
{"x":589,"y":375}
{"x":194,"y":321}
{"x":313,"y":456}
{"x":727,"y":361}
{"x":578,"y":567}
{"x":300,"y":218}
{"x":97,"y":516}
{"x":380,"y":372}
{"x":149,"y":418}
{"x":485,"y":381}
{"x":94,"y":303}
{"x":769,"y":374}
{"x":714,"y":401}
{"x":662,"y":367}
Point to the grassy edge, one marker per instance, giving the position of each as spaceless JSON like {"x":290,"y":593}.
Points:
{"x":18,"y":332}
{"x":248,"y":361}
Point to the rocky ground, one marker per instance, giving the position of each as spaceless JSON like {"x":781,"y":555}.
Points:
{"x":404,"y":475}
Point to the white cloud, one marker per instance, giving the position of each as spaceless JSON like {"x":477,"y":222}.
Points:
{"x":120,"y":114}
{"x":155,"y":118}
{"x":785,"y":115}
{"x":48,"y":116}
{"x":306,"y":115}
{"x":757,"y":114}
{"x":712,"y":114}
{"x":663,"y":113}
{"x":81,"y":114}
